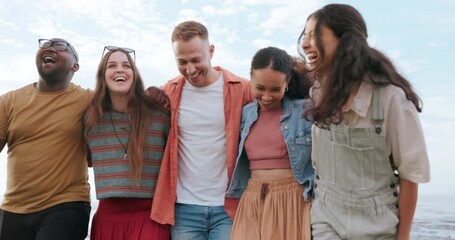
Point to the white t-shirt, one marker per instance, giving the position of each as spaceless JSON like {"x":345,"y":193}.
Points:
{"x":202,"y":176}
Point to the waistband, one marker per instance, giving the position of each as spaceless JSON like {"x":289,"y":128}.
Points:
{"x":273,"y":185}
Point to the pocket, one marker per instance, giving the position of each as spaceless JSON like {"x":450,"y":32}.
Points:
{"x":303,"y":139}
{"x":390,"y":217}
{"x":352,"y":168}
{"x":303,"y":147}
{"x":391,"y":211}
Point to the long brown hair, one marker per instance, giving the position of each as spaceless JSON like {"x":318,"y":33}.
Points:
{"x":353,"y":61}
{"x":137,"y":109}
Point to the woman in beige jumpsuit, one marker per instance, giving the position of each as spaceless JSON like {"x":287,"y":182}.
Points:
{"x":368,"y":151}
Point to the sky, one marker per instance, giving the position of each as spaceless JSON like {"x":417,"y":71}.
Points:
{"x":417,"y":35}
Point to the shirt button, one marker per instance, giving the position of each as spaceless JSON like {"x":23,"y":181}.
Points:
{"x":392,"y":185}
{"x":395,"y":194}
{"x":315,"y":185}
{"x":286,"y":126}
{"x":317,"y":177}
{"x":308,"y":140}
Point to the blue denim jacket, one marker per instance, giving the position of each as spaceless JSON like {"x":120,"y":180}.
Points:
{"x":297,"y":135}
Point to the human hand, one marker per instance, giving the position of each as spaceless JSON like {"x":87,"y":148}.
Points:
{"x":158,"y":95}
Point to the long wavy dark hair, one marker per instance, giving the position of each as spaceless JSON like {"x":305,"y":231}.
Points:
{"x":353,"y":61}
{"x":279,"y":60}
{"x":138,"y":107}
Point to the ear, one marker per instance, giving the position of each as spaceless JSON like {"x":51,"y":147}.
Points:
{"x":211,"y":50}
{"x":75,"y":67}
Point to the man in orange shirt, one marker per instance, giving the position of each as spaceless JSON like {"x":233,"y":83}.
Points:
{"x":206,"y":105}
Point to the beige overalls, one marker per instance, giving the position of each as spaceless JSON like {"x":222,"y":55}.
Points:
{"x":356,"y":192}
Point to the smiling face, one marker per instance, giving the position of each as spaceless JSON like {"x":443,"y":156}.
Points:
{"x":55,"y":66}
{"x":193,"y":60}
{"x":320,"y":60}
{"x":268,"y":87}
{"x":119,"y":74}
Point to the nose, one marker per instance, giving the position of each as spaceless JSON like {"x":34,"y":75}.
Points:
{"x":120,"y":69}
{"x":266,"y":96}
{"x":305,"y":43}
{"x":190,"y":68}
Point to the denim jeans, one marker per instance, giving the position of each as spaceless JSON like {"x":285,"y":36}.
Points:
{"x":195,"y":222}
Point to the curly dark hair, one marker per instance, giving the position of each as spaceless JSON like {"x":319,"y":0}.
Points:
{"x":353,"y":61}
{"x":279,"y":60}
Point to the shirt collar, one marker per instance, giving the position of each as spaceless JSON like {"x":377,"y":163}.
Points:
{"x":362,"y":100}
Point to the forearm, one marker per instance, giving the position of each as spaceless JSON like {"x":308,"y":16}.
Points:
{"x":407,"y":201}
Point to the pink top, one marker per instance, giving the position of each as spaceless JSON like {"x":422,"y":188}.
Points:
{"x":265,"y":144}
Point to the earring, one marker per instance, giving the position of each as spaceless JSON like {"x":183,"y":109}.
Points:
{"x":286,"y":89}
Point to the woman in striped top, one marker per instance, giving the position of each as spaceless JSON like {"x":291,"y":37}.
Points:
{"x":126,"y":133}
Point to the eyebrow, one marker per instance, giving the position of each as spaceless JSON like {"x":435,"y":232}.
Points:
{"x":305,"y":33}
{"x":189,"y":60}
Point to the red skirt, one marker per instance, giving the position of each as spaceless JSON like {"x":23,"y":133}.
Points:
{"x":126,"y":218}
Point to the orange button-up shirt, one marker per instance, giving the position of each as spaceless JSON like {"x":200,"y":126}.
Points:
{"x":236,"y":92}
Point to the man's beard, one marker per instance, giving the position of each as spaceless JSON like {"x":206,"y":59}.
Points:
{"x":52,"y":76}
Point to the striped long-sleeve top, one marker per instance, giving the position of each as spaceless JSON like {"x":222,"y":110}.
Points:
{"x":108,"y":142}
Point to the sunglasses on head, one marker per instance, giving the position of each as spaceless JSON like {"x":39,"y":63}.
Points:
{"x":114,"y":48}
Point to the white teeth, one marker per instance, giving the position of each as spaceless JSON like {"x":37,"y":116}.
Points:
{"x":48,"y":59}
{"x":123,"y":79}
{"x":312,"y":56}
{"x":193,"y":76}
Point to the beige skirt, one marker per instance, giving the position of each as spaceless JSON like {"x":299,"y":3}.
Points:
{"x":272,"y":210}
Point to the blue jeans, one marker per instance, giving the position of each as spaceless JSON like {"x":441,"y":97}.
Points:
{"x":195,"y":222}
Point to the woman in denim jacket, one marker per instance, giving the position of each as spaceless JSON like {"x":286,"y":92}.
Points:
{"x":273,"y":173}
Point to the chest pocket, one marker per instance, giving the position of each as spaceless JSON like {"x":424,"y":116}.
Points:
{"x":303,"y":146}
{"x":352,"y":168}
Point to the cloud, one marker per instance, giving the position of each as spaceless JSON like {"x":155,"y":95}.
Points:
{"x":15,"y":74}
{"x":224,"y":10}
{"x":438,"y":44}
{"x":253,"y":17}
{"x":411,"y":66}
{"x":290,"y":13}
{"x":9,"y":25}
{"x":405,"y":66}
{"x":261,"y":43}
{"x":11,"y":41}
{"x":187,"y":14}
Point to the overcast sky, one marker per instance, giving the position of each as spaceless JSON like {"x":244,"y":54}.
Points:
{"x":417,"y":35}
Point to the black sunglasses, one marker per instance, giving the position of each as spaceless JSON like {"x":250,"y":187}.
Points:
{"x":58,"y":45}
{"x":114,"y":48}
